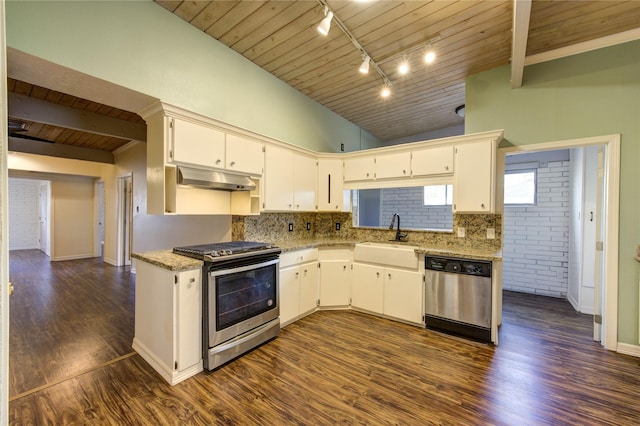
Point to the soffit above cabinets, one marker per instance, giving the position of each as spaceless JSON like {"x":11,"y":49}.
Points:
{"x":472,"y":36}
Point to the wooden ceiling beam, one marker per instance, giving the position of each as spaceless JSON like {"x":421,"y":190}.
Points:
{"x":519,"y":36}
{"x":32,"y":109}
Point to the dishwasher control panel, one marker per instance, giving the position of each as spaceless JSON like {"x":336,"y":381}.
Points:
{"x":458,"y":266}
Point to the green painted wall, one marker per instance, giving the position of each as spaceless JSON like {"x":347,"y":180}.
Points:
{"x":141,"y":46}
{"x":591,"y":94}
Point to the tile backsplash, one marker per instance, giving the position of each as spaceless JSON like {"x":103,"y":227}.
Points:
{"x":323,"y":226}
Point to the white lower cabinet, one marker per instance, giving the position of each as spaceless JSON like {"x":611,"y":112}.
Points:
{"x":403,"y":294}
{"x":298,"y":284}
{"x":367,"y":287}
{"x":168,"y":320}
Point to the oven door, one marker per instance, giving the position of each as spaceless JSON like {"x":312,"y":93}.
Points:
{"x":241,"y":298}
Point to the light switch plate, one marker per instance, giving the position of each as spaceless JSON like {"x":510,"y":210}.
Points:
{"x":461,"y":232}
{"x":491,"y":233}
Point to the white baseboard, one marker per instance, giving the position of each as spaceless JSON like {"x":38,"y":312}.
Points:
{"x":73,"y":257}
{"x":628,"y":349}
{"x":111,"y":262}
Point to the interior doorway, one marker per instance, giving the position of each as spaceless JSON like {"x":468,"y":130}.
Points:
{"x":98,"y":250}
{"x":604,"y":211}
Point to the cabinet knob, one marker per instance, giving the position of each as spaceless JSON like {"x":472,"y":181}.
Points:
{"x":377,"y":274}
{"x":446,"y":167}
{"x":297,"y":273}
{"x":389,"y":276}
{"x":404,"y":172}
{"x":336,"y":207}
{"x":482,"y":205}
{"x":344,"y":268}
{"x":233,"y":163}
{"x":218,"y":161}
{"x":367,"y":174}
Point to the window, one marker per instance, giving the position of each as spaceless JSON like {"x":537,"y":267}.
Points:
{"x":438,"y":195}
{"x":520,"y":187}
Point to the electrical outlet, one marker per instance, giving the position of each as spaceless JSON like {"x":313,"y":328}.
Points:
{"x":308,"y":226}
{"x":290,"y":227}
{"x":337,"y":226}
{"x":491,"y":233}
{"x":461,"y":232}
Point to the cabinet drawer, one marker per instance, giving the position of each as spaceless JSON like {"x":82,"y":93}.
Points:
{"x":299,"y":256}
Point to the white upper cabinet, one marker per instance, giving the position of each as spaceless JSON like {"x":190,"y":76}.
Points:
{"x":244,"y":155}
{"x":432,"y":161}
{"x":330,"y":188}
{"x":195,"y":144}
{"x":475,"y":178}
{"x":396,"y":165}
{"x":361,"y":168}
{"x":305,"y":181}
{"x":290,"y":180}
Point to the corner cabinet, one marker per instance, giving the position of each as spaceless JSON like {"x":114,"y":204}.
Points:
{"x":477,"y":187}
{"x":331,"y":194}
{"x":290,"y":180}
{"x":335,"y":277}
{"x":168,"y":320}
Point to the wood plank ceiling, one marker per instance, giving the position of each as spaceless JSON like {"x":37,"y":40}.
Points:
{"x":471,"y":36}
{"x":281,"y":37}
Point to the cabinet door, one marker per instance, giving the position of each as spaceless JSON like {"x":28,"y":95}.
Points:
{"x":393,"y":165}
{"x":362,"y":168}
{"x":189,"y":319}
{"x":474,"y":182}
{"x":432,"y":161}
{"x":367,"y":286}
{"x":335,"y":288}
{"x":305,"y":178}
{"x":289,"y":294}
{"x":403,"y":295}
{"x":308,"y":287}
{"x":196,"y":144}
{"x":330,"y":188}
{"x":278,"y":179}
{"x":244,"y":155}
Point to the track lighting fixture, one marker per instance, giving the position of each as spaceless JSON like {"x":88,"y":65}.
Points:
{"x":325,"y":24}
{"x":403,"y":68}
{"x":430,"y":56}
{"x":385,"y":92}
{"x":364,"y":68}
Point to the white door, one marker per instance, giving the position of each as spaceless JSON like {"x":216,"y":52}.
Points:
{"x":43,"y":206}
{"x":599,"y":252}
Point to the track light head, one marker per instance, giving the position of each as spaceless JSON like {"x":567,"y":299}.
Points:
{"x":386,"y":91}
{"x":430,"y":56}
{"x":403,"y":68}
{"x":325,"y":24}
{"x":364,"y":68}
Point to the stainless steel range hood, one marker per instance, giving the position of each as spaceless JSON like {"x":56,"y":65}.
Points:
{"x":213,"y":180}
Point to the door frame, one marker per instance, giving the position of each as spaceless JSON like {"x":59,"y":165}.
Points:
{"x":125,"y":216}
{"x":610,"y":217}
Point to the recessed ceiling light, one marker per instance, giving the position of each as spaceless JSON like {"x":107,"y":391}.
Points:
{"x":403,"y":68}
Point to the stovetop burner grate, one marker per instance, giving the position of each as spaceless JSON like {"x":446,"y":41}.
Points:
{"x":221,"y":249}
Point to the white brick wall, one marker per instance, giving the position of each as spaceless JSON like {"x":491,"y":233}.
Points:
{"x":409,"y":204}
{"x":536,"y":238}
{"x":23,"y":214}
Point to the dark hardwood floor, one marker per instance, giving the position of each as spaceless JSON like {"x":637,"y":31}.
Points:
{"x":351,"y":368}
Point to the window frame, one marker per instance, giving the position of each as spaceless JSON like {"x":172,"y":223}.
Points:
{"x":448,"y":195}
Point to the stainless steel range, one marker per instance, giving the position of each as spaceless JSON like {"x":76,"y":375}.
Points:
{"x":240,"y":297}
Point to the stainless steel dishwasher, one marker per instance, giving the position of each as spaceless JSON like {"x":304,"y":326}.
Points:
{"x":458,"y":296}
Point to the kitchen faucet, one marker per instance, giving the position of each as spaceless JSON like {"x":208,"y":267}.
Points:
{"x":399,"y":236}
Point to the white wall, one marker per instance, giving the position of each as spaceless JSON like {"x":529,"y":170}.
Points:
{"x":23,"y":214}
{"x":536,"y":238}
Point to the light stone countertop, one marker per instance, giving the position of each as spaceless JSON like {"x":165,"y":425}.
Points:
{"x":166,"y":259}
{"x":174,"y":262}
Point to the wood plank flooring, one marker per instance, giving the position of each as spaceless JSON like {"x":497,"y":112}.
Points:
{"x":344,"y":367}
